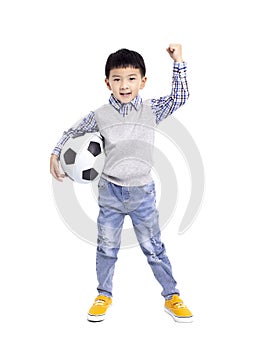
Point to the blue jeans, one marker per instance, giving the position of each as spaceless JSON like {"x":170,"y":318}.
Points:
{"x":140,"y":204}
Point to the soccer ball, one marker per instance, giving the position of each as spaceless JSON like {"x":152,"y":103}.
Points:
{"x":82,"y":158}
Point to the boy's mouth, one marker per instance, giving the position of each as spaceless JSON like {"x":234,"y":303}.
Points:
{"x":125,"y":94}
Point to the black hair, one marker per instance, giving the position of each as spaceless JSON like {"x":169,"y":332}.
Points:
{"x":124,"y":58}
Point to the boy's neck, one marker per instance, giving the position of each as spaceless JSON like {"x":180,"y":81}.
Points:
{"x":117,"y":104}
{"x":133,"y":102}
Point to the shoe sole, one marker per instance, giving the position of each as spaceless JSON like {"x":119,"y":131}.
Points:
{"x":98,"y":318}
{"x":95,"y":318}
{"x":179,"y":319}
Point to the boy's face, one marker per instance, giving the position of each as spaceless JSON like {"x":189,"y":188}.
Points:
{"x":125,"y":83}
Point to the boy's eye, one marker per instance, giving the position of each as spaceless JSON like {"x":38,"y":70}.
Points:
{"x":116,"y":79}
{"x":132,"y":78}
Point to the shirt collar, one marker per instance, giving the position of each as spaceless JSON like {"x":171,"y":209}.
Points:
{"x":124,"y":107}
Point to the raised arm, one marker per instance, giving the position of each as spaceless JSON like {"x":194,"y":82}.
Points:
{"x":164,"y":106}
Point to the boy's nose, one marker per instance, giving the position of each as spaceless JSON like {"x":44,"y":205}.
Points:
{"x":123,"y":86}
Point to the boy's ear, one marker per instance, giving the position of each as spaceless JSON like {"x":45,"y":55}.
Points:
{"x":107,"y":83}
{"x":144,"y":79}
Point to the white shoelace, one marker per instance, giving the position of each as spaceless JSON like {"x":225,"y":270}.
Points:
{"x":99,"y":302}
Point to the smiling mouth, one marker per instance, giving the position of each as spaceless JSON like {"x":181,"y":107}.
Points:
{"x":125,"y":94}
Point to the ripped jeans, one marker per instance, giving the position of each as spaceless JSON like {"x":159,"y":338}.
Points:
{"x":140,"y":204}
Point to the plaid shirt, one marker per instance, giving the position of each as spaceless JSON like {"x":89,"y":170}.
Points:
{"x":161,"y":107}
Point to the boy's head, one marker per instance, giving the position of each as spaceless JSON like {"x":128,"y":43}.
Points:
{"x":125,"y":74}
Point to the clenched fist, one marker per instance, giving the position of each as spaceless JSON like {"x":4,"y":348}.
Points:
{"x":175,"y":52}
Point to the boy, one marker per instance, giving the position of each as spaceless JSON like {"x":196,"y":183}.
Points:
{"x":126,"y":187}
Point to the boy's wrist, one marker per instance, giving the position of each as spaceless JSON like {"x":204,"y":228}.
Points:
{"x":56,"y":152}
{"x":179,"y":60}
{"x":54,"y":156}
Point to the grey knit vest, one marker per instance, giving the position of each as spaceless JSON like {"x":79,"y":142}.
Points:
{"x":128,"y":143}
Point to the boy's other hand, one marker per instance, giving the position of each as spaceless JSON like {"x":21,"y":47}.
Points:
{"x":54,"y":168}
{"x":175,"y":52}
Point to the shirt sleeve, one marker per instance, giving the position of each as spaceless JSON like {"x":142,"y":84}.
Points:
{"x":86,"y":125}
{"x":164,"y":106}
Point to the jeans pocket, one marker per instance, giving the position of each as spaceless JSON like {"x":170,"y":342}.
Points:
{"x":149,"y":188}
{"x":102,"y":183}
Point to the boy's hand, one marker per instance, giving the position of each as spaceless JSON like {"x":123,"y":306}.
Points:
{"x":175,"y":52}
{"x":54,"y":168}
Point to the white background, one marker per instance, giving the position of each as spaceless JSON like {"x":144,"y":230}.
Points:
{"x":52,"y":70}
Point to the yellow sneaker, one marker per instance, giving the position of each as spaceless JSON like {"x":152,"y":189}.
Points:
{"x":98,"y":310}
{"x":176,"y":308}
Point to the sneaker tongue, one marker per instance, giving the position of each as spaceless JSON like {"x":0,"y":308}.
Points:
{"x":176,"y":299}
{"x":177,"y":302}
